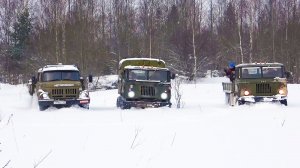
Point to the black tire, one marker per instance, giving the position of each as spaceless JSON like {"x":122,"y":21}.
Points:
{"x":42,"y":108}
{"x":86,"y":106}
{"x":122,"y":104}
{"x":284,"y":102}
{"x":241,"y":102}
{"x":118,"y":102}
{"x":125,"y":106}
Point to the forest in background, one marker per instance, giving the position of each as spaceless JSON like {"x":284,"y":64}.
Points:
{"x":192,"y":36}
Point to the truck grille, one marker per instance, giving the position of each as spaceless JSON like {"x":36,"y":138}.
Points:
{"x":64,"y":93}
{"x":57,"y":91}
{"x":147,"y":91}
{"x":263,"y":88}
{"x":71,"y":91}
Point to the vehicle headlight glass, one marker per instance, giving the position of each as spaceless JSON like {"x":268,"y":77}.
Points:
{"x":281,"y":91}
{"x":44,"y":95}
{"x":246,"y":93}
{"x":164,"y":95}
{"x":131,"y":94}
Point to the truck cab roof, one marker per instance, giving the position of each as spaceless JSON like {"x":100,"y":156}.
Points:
{"x":58,"y":67}
{"x":259,"y":64}
{"x":145,"y":68}
{"x":143,"y":62}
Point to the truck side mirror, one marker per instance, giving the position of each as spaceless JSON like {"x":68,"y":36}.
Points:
{"x":90,"y":78}
{"x":288,"y":74}
{"x":33,"y":80}
{"x":173,"y":76}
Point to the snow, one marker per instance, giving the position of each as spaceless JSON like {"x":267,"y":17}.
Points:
{"x":104,"y":82}
{"x":204,"y":133}
{"x":140,"y":59}
{"x":145,"y":67}
{"x":59,"y":67}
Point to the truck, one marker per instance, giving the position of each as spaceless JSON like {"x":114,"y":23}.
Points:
{"x":143,"y":82}
{"x":60,"y":86}
{"x":257,"y":82}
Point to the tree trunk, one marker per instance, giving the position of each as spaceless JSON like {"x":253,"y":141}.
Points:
{"x":56,"y":34}
{"x":240,"y":24}
{"x":251,"y":34}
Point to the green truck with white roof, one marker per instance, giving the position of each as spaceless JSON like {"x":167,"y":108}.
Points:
{"x":143,"y":82}
{"x":257,"y":82}
{"x":60,"y":86}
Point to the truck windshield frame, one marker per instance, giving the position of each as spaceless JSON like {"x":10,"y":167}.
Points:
{"x":60,"y":75}
{"x":148,"y":75}
{"x":262,"y":72}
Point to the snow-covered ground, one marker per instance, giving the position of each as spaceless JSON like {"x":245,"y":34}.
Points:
{"x":204,"y":133}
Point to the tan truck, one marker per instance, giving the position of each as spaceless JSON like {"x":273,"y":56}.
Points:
{"x":59,"y":86}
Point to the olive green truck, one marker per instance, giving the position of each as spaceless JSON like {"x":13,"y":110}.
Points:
{"x":143,"y":82}
{"x":257,"y":82}
{"x":60,"y":86}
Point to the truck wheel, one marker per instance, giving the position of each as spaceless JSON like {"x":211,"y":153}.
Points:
{"x":283,"y":102}
{"x":86,"y":106}
{"x":123,"y":105}
{"x":118,"y":102}
{"x":43,"y":108}
{"x":241,"y":102}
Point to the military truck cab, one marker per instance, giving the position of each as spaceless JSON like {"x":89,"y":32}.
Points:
{"x":60,"y":85}
{"x":257,"y":82}
{"x":143,"y":82}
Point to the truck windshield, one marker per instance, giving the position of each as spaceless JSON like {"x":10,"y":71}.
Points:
{"x":272,"y":72}
{"x":60,"y":75}
{"x":261,"y":72}
{"x":135,"y":74}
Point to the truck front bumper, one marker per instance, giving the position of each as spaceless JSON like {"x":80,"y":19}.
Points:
{"x":254,"y":99}
{"x":66,"y":102}
{"x":143,"y":103}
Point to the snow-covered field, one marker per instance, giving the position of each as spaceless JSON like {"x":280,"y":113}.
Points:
{"x":204,"y":133}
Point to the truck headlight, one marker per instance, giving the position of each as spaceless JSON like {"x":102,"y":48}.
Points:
{"x":164,"y":96}
{"x":281,"y":91}
{"x":246,"y":93}
{"x":131,"y":94}
{"x":44,"y":95}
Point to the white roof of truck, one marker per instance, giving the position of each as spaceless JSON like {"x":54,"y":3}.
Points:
{"x":145,"y":67}
{"x":259,"y":64}
{"x":141,"y":59}
{"x":59,"y":67}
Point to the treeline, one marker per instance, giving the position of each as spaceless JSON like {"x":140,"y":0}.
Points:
{"x":192,"y":36}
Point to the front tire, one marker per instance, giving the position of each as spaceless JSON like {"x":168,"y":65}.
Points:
{"x":42,"y":108}
{"x":86,"y":106}
{"x":241,"y":102}
{"x":284,"y":102}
